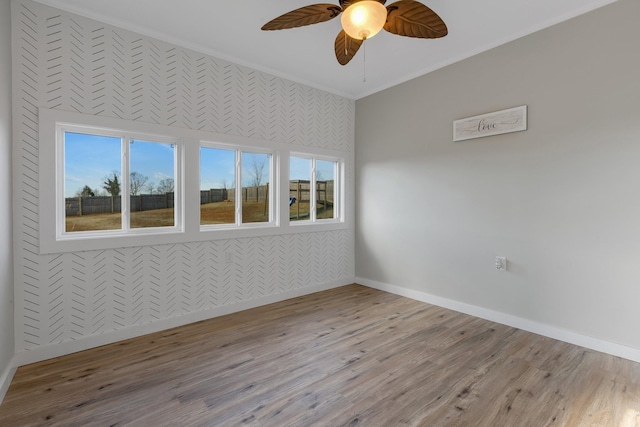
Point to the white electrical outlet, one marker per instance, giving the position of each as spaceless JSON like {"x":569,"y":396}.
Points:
{"x":501,"y":263}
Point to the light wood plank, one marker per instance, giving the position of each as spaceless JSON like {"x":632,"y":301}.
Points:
{"x":347,"y":356}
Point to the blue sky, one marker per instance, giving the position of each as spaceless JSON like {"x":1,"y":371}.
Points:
{"x":300,"y":168}
{"x":217,"y":168}
{"x":89,"y":159}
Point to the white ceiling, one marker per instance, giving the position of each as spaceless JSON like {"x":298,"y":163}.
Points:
{"x":230,"y":30}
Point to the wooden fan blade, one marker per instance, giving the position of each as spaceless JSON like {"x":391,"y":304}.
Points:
{"x":346,"y":47}
{"x":413,"y":19}
{"x":304,"y":16}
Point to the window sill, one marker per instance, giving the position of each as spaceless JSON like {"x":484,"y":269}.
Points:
{"x":115,"y":241}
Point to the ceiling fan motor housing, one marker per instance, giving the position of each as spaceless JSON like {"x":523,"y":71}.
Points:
{"x":363,"y":19}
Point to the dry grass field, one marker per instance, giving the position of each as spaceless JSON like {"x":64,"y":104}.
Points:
{"x":224,"y":212}
{"x":210,"y":213}
{"x":113,"y":221}
{"x":300,"y":211}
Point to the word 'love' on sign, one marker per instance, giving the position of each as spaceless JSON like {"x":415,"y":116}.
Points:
{"x":496,"y":123}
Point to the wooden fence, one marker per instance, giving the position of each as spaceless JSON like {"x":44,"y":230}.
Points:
{"x":87,"y":205}
{"x":251,"y":194}
{"x":301,"y":191}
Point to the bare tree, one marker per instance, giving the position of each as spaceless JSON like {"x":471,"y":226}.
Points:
{"x":165,"y":186}
{"x":150,"y":188}
{"x":257,"y":172}
{"x":137,"y":182}
{"x":226,"y":185}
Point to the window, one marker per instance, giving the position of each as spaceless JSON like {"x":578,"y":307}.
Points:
{"x":326,"y":172}
{"x":222,"y":201}
{"x":217,"y":183}
{"x":256,"y":170}
{"x":152,"y":180}
{"x":115,"y":183}
{"x":299,"y":188}
{"x":92,"y":182}
{"x":313,"y":186}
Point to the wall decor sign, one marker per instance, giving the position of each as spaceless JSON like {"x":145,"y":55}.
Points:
{"x":496,"y":123}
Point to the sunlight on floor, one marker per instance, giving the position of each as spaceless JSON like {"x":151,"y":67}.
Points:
{"x":631,"y":419}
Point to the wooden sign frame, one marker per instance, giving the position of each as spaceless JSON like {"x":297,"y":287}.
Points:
{"x":496,"y":123}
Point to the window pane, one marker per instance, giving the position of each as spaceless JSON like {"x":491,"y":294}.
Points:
{"x":299,"y":188}
{"x":151,"y":184}
{"x":92,"y":179}
{"x":217,"y":186}
{"x":325,"y":184}
{"x":256,"y":170}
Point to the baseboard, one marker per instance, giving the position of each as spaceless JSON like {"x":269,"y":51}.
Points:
{"x":54,"y":350}
{"x":510,"y":320}
{"x":6,"y":377}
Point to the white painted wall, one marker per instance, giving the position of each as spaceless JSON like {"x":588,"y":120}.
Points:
{"x":561,"y":200}
{"x":70,"y":301}
{"x":6,"y":239}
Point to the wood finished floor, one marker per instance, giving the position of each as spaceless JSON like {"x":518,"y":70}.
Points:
{"x":343,"y":357}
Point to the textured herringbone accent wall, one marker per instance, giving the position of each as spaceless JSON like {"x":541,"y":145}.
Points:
{"x":67,"y":62}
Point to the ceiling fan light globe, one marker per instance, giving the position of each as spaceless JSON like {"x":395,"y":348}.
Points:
{"x":363,"y":19}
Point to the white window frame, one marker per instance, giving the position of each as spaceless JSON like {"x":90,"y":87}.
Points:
{"x":187,"y":226}
{"x":53,"y":236}
{"x":126,"y":138}
{"x":273,"y":187}
{"x":338,"y":189}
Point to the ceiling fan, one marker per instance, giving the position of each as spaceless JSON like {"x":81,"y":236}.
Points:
{"x":363,"y":19}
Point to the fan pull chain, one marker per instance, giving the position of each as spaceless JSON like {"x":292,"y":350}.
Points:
{"x":364,"y":60}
